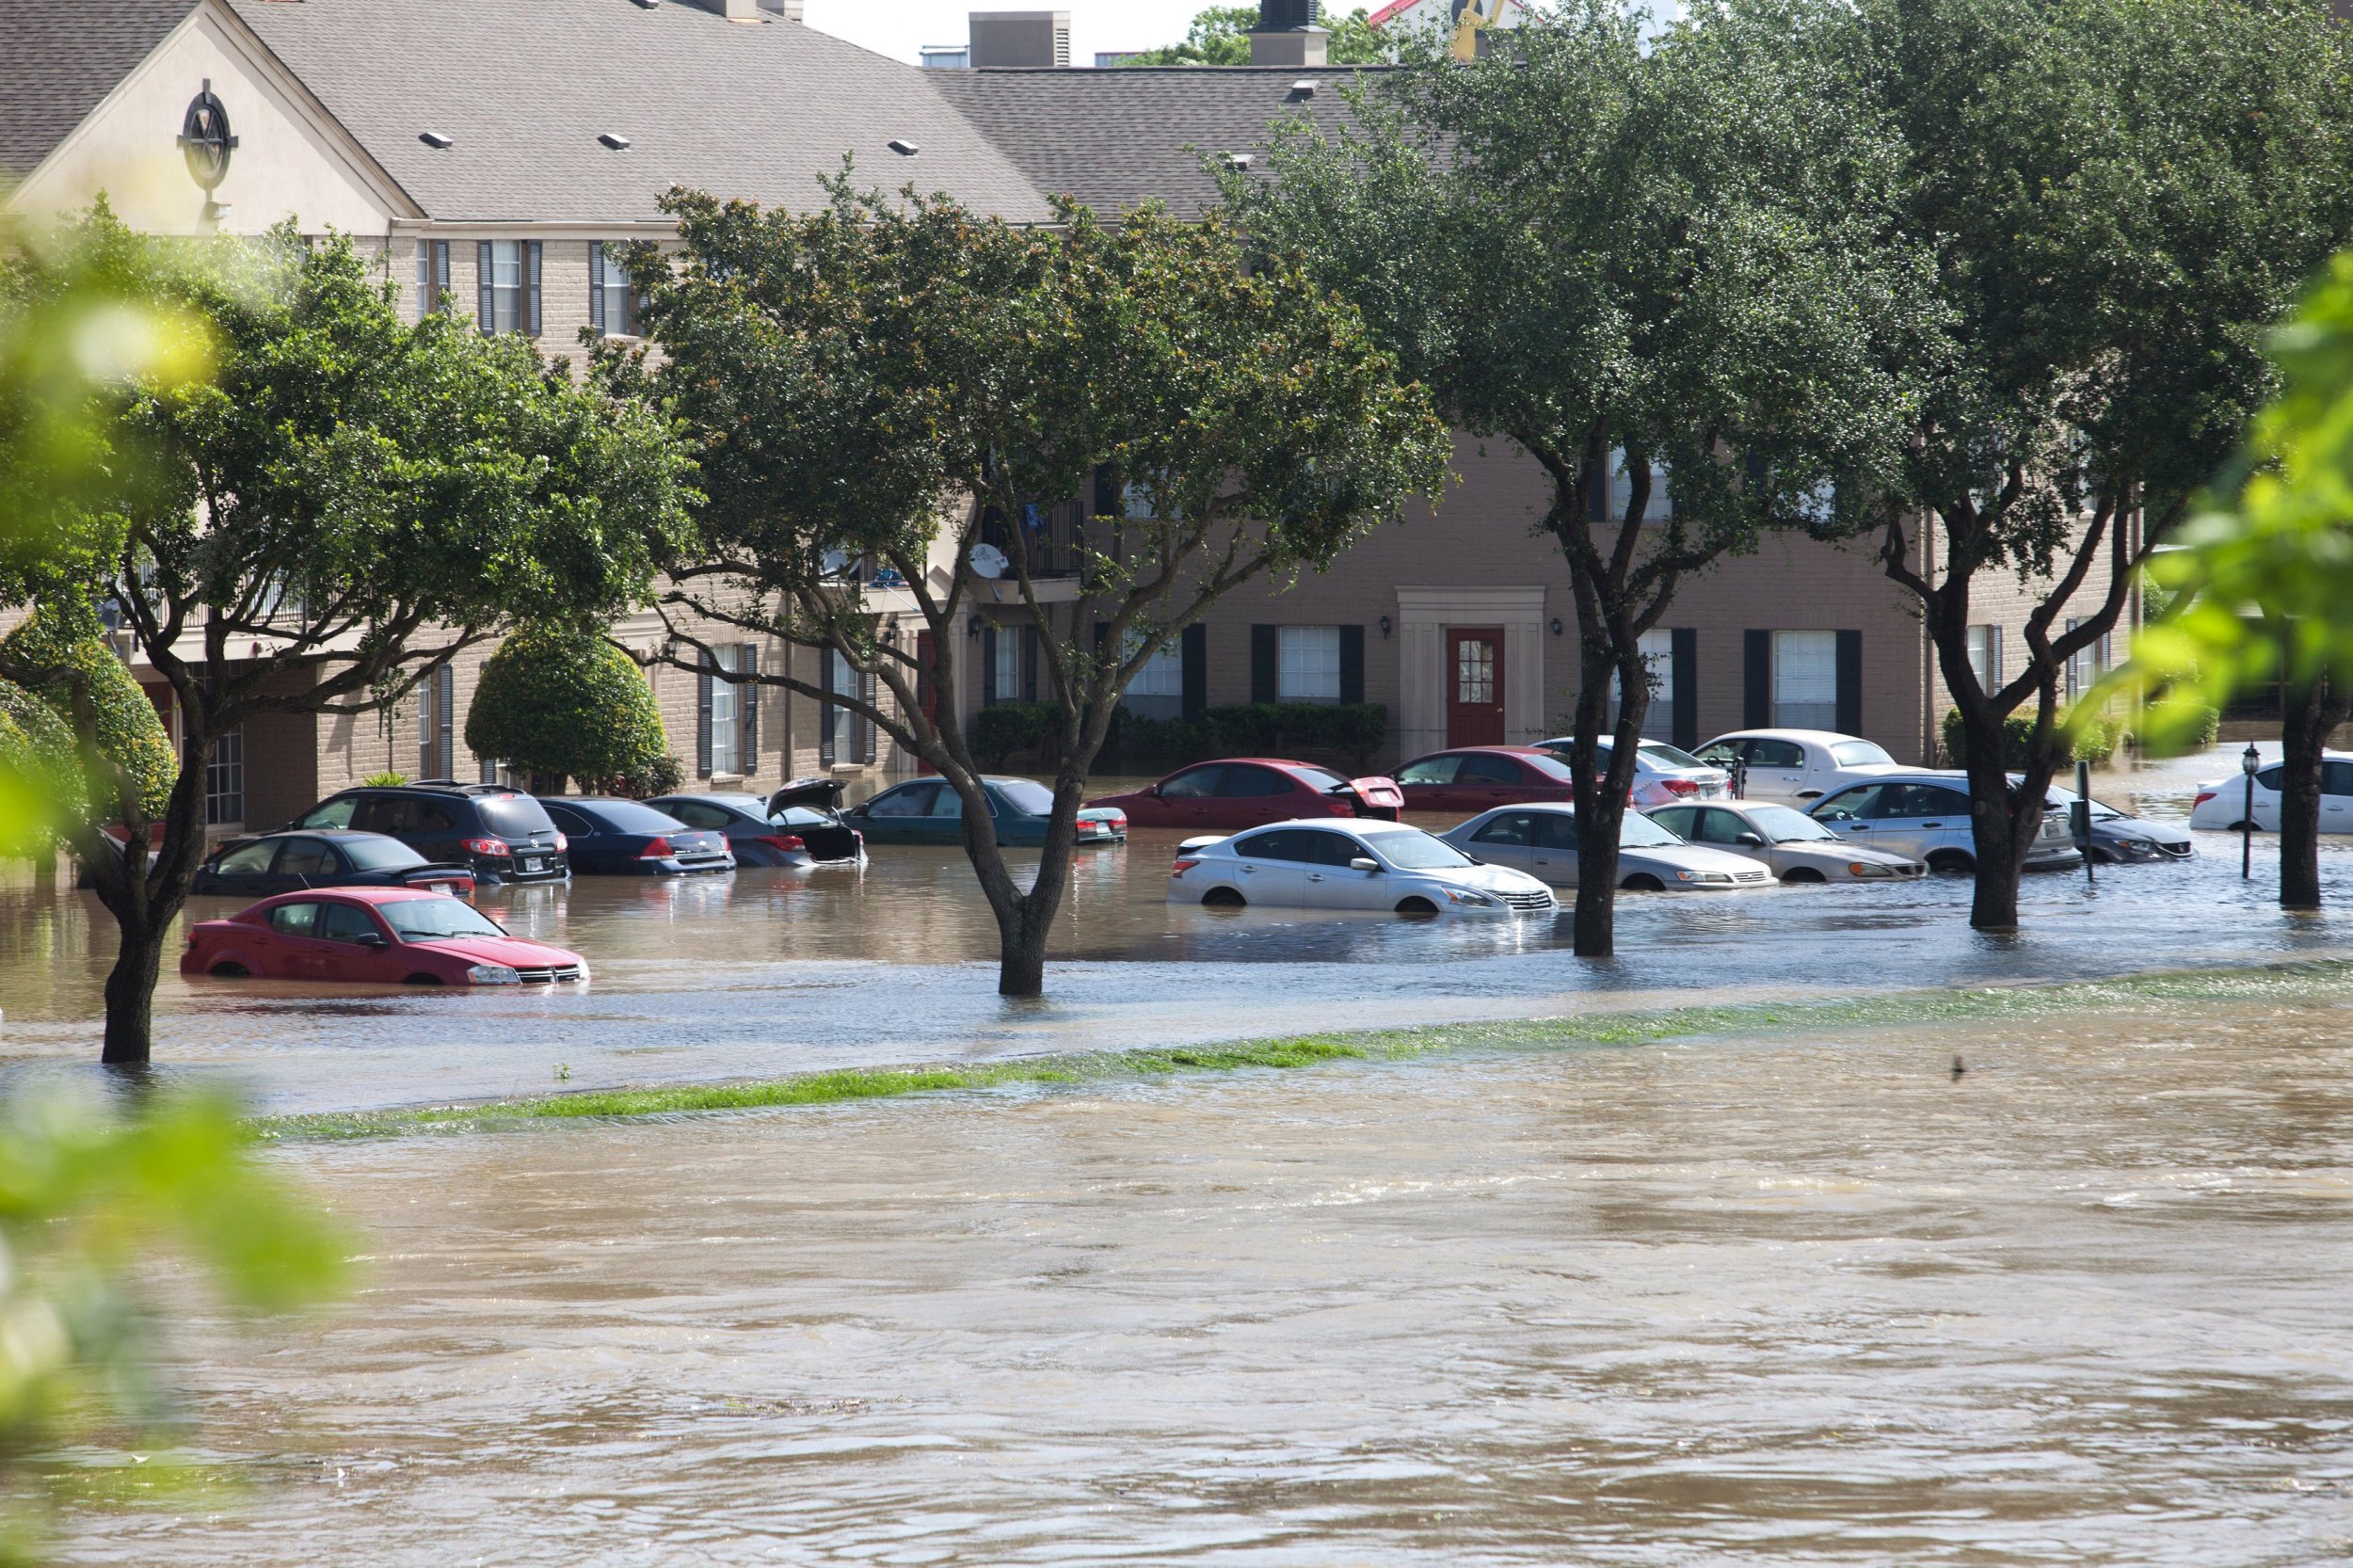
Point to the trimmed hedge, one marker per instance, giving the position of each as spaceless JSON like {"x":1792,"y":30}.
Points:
{"x":563,"y":701}
{"x":2094,"y":742}
{"x":129,"y":730}
{"x":1353,"y":730}
{"x":38,"y":772}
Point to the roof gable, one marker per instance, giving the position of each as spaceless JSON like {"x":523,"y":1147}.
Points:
{"x":64,"y":57}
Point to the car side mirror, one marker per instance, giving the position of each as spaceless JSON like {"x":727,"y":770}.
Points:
{"x":374,"y":939}
{"x":1152,"y":789}
{"x":1754,"y":841}
{"x":1364,"y":863}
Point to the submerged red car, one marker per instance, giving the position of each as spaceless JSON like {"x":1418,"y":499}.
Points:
{"x":373,"y":936}
{"x":1246,"y":792}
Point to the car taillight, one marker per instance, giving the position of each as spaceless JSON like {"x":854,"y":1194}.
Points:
{"x":487,"y":847}
{"x":1181,"y":867}
{"x":657,"y":850}
{"x":1681,"y":786}
{"x":562,"y":843}
{"x":788,"y":841}
{"x":2204,"y":796}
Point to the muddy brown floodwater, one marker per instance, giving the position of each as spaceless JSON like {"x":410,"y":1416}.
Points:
{"x":1805,"y":1299}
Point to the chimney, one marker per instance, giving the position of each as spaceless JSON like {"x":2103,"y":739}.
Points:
{"x":788,"y":10}
{"x":1286,"y":33}
{"x":734,"y":11}
{"x":1035,"y":39}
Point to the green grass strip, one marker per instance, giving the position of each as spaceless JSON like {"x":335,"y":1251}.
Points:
{"x":2281,"y":984}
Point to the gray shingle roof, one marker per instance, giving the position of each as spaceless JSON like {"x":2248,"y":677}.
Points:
{"x":62,"y":57}
{"x":526,"y":87}
{"x":1114,"y":139}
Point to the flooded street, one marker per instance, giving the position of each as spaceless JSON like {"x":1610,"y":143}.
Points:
{"x":1797,"y":1299}
{"x":767,"y":972}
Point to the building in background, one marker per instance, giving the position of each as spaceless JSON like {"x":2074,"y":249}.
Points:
{"x":400,"y":124}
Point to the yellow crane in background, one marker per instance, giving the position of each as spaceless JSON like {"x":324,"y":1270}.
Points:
{"x":1472,"y":18}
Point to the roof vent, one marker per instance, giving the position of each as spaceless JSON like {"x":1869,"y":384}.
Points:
{"x":618,"y":144}
{"x":904,"y":148}
{"x":1305,"y":87}
{"x":1237,"y":160}
{"x":646,"y":5}
{"x":436,"y":141}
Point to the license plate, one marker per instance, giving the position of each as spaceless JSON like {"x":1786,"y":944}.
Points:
{"x":532,"y":863}
{"x":439,"y":886}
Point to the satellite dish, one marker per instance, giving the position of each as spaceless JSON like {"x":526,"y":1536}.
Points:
{"x":833,"y":563}
{"x":988,"y":561}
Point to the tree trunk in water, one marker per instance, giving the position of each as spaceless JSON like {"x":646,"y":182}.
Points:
{"x":130,"y":995}
{"x":2314,"y":710}
{"x":1021,"y":954}
{"x":1992,"y":833}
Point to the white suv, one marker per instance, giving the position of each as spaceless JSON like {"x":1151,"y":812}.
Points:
{"x":1924,"y":815}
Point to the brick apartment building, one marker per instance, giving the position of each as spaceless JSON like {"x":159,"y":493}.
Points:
{"x":415,"y":126}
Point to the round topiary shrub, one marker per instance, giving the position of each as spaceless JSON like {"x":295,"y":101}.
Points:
{"x":129,"y":730}
{"x":38,"y":773}
{"x":557,"y":702}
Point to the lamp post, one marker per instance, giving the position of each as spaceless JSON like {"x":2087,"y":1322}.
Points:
{"x":2249,"y":761}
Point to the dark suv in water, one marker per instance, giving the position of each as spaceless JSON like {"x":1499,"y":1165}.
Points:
{"x":504,"y":834}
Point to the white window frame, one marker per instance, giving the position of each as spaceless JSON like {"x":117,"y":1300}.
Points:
{"x":1658,"y":508}
{"x":1004,"y":674}
{"x":2085,"y":666}
{"x":617,"y":296}
{"x":1658,"y":648}
{"x":727,"y":715}
{"x":1307,"y":663}
{"x":1157,"y":692}
{"x":509,"y":302}
{"x":1806,"y":679}
{"x":1985,"y":653}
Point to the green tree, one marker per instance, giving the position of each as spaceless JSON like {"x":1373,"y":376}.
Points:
{"x":559,"y":701}
{"x":62,"y":648}
{"x":878,"y":384}
{"x":88,"y":1205}
{"x":2258,"y":592}
{"x":347,"y":502}
{"x":1221,"y":36}
{"x":2121,"y":196}
{"x":1660,"y":266}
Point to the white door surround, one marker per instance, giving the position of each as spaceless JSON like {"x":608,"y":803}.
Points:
{"x":1423,"y":616}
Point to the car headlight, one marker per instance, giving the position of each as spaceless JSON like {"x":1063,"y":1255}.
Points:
{"x":493,"y":974}
{"x":1476,"y":901}
{"x":1867,"y":868}
{"x":1709,"y":878}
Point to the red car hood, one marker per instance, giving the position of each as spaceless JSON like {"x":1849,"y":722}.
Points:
{"x":513,"y":951}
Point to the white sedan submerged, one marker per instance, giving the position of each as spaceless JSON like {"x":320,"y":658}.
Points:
{"x":1318,"y":863}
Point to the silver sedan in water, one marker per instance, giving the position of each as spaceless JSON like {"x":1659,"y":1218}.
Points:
{"x":1791,"y":844}
{"x":1541,"y":839}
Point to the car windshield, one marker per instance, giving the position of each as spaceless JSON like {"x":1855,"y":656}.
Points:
{"x":1322,"y":778}
{"x":630,"y":816}
{"x":1783,"y":825}
{"x":1672,"y":757}
{"x":1027,"y":796}
{"x":1410,"y":849}
{"x":513,"y":816}
{"x":426,"y":920}
{"x":1860,"y":754}
{"x":380,"y":855}
{"x":1639,"y":832}
{"x":2059,"y":800}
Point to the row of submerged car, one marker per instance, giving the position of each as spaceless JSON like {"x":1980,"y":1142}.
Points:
{"x":1816,"y":807}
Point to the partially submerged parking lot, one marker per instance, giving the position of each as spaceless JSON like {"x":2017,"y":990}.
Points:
{"x":770,"y":970}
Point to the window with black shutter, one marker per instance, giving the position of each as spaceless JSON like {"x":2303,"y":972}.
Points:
{"x":1352,"y":663}
{"x":702,"y":719}
{"x":1265,"y":645}
{"x":747,"y":659}
{"x":1197,"y":657}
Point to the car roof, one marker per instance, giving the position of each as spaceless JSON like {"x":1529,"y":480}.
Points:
{"x":1352,"y":827}
{"x":358,"y":895}
{"x":339,"y":835}
{"x":1907,"y":775}
{"x":1552,"y":808}
{"x":1257,"y":762}
{"x":1820,"y":737}
{"x":739,"y":801}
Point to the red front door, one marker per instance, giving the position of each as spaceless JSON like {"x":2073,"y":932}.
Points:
{"x":1474,"y":708}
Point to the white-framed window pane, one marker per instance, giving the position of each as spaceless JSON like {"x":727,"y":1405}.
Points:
{"x":426,"y":284}
{"x":1658,"y":657}
{"x":2085,"y":666}
{"x":726,"y":728}
{"x":1005,"y":675}
{"x":1985,"y":655}
{"x":224,"y":779}
{"x":507,"y":285}
{"x":615,"y":297}
{"x":1655,"y":510}
{"x":1806,"y":679}
{"x":1158,"y":691}
{"x":1309,"y":667}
